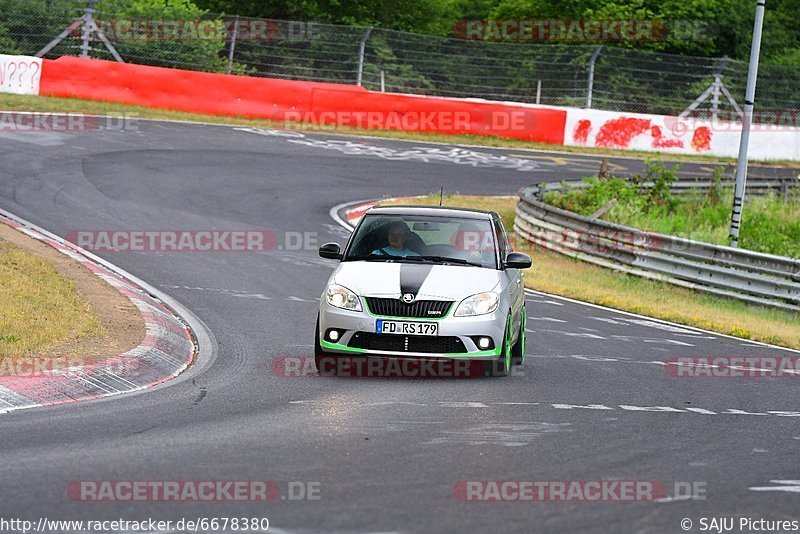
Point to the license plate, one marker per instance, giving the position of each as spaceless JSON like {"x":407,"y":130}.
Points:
{"x":406,"y":327}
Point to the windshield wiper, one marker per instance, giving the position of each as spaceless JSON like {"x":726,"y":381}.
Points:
{"x":381,"y":257}
{"x":371,"y":257}
{"x":415,"y":259}
{"x":447,"y":259}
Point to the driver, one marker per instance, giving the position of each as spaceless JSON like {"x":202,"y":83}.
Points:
{"x":398,"y":233}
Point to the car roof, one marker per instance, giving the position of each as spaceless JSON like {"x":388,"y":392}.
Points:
{"x":435,"y":211}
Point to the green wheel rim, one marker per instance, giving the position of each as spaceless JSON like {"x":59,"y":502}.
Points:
{"x":522,"y":332}
{"x":508,"y":343}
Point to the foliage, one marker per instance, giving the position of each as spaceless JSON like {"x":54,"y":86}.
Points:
{"x":27,"y":21}
{"x":26,"y":26}
{"x":423,"y":16}
{"x":769,"y":224}
{"x":627,"y":75}
{"x":729,"y":23}
{"x":194,"y":54}
{"x":640,"y":193}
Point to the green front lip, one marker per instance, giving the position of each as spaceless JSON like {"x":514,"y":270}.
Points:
{"x":478,"y":354}
{"x":337,"y":346}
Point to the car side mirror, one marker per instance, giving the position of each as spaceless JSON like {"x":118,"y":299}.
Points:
{"x":517,"y":260}
{"x":330,"y":251}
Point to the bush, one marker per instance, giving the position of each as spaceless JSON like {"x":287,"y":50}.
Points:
{"x":770,"y":224}
{"x":632,"y":194}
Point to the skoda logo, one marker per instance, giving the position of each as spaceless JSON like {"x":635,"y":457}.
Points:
{"x":408,"y":298}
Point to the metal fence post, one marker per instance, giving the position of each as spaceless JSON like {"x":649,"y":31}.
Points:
{"x":715,"y":97}
{"x":717,"y":87}
{"x":361,"y":48}
{"x":87,"y":25}
{"x":86,"y":28}
{"x":233,"y":43}
{"x":590,"y":85}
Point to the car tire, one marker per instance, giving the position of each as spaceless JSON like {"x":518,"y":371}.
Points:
{"x":320,"y":356}
{"x":502,"y":365}
{"x":518,"y":350}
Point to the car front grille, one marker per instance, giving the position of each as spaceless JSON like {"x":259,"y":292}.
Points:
{"x":430,"y":309}
{"x":401,"y":343}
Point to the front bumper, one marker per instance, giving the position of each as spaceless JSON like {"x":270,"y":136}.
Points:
{"x":362,"y":324}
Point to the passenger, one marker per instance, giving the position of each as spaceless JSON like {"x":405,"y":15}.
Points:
{"x":476,"y":241}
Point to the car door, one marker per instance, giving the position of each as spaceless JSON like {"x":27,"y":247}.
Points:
{"x":512,"y":277}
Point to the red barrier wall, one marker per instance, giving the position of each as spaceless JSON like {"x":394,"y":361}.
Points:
{"x":220,"y":94}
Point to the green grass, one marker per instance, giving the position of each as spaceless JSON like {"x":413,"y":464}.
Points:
{"x":769,"y":224}
{"x":38,"y":307}
{"x":560,"y":275}
{"x":71,"y":105}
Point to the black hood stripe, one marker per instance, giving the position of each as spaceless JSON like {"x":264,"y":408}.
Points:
{"x":412,"y":277}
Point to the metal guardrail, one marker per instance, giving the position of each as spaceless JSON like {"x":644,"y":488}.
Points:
{"x":746,"y":275}
{"x":781,"y":186}
{"x":756,"y":186}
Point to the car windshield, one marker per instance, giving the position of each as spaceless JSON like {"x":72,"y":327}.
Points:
{"x":424,"y":239}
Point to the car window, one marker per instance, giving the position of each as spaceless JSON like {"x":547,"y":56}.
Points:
{"x":502,"y":239}
{"x":425,"y":238}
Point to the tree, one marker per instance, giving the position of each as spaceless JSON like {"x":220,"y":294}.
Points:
{"x":195,"y":51}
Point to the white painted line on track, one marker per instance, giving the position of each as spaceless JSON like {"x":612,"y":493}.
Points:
{"x":569,"y":334}
{"x":591,"y":407}
{"x":550,"y":319}
{"x":641,"y":339}
{"x":789,"y":486}
{"x":607,"y":320}
{"x":662,"y":321}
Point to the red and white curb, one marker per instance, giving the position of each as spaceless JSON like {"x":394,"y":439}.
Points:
{"x":168,"y":348}
{"x":354,"y":215}
{"x":350,"y":216}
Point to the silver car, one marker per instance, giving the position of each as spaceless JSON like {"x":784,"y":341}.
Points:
{"x":425,"y":283}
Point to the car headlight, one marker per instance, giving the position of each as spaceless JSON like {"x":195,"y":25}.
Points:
{"x":479,"y":304}
{"x":341,"y":297}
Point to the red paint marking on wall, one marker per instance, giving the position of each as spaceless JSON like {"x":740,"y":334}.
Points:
{"x":659,"y":141}
{"x":582,"y":130}
{"x":701,"y":140}
{"x":667,"y":143}
{"x":618,"y":133}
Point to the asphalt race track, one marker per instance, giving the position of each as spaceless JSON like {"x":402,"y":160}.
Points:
{"x":387,"y":454}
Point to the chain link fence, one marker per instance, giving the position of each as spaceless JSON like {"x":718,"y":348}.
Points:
{"x":600,"y":77}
